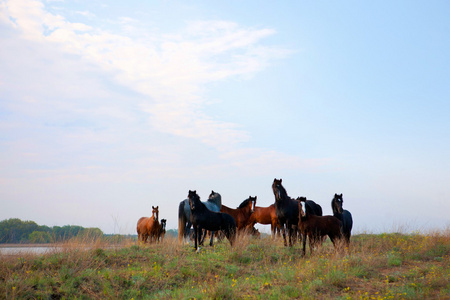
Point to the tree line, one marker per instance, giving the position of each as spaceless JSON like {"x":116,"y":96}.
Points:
{"x":17,"y":231}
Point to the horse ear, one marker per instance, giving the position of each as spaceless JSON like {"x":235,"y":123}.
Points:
{"x":281,"y":180}
{"x":153,"y":207}
{"x":157,"y":207}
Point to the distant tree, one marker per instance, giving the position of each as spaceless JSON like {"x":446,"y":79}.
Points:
{"x":39,"y":237}
{"x":17,"y":231}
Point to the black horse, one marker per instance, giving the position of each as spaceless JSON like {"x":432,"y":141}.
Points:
{"x":287,"y":211}
{"x":202,"y":218}
{"x":213,"y":203}
{"x":344,"y":216}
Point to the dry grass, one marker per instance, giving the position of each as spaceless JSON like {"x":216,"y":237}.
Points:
{"x":377,"y":266}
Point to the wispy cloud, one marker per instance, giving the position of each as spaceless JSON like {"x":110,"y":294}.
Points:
{"x":170,"y":70}
{"x":70,"y":62}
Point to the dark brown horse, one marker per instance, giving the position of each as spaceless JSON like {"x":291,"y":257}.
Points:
{"x":242,"y":213}
{"x":317,"y":227}
{"x":146,"y":226}
{"x":265,"y":216}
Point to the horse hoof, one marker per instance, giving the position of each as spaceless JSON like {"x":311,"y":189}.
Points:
{"x":198,"y":250}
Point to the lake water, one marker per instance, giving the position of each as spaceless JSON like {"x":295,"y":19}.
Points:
{"x":23,"y":250}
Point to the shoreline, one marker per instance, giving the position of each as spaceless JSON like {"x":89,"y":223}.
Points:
{"x":48,"y":245}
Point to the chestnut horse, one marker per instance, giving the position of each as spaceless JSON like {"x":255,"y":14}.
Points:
{"x":145,"y":226}
{"x":265,"y":216}
{"x":316,"y":227}
{"x":242,"y":213}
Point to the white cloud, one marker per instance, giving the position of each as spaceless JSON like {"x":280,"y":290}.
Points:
{"x":170,"y":70}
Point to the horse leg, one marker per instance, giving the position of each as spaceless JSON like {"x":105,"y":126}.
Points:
{"x":272,"y":228}
{"x":304,"y":244}
{"x":284,"y":234}
{"x":212,"y":238}
{"x":195,"y":237}
{"x":311,"y":243}
{"x":202,"y":237}
{"x":347,"y":239}
{"x":291,"y":233}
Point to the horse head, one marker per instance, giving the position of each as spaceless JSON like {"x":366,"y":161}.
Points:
{"x":163,"y":224}
{"x":155,"y":213}
{"x":336,"y":204}
{"x":192,"y":196}
{"x":253,"y":201}
{"x":301,"y":207}
{"x":216,"y":199}
{"x":278,"y":189}
{"x":302,"y":199}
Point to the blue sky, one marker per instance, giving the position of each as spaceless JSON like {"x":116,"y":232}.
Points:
{"x":108,"y":108}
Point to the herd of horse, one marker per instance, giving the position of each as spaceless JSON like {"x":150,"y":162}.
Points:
{"x":295,"y":218}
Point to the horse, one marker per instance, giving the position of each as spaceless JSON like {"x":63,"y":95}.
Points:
{"x":162,"y":230}
{"x":202,"y":217}
{"x":344,"y":216}
{"x":316,"y":227}
{"x":242,"y":213}
{"x":145,"y":225}
{"x":214,"y":203}
{"x":265,"y":216}
{"x":286,"y":209}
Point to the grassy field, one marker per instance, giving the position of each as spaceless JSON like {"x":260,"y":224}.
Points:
{"x":382,"y":266}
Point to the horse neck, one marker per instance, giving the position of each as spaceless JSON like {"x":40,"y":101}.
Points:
{"x":334,"y":208}
{"x":199,"y":206}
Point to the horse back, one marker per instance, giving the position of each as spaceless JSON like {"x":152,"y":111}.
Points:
{"x":322,"y":225}
{"x":230,"y":211}
{"x":312,"y":208}
{"x":263,"y":215}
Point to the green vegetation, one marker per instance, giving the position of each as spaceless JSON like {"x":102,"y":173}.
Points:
{"x":385,"y":266}
{"x":18,"y":231}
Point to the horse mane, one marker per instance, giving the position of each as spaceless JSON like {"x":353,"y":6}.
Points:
{"x":244,"y":203}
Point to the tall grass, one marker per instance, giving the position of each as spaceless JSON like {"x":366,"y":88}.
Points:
{"x":377,"y":266}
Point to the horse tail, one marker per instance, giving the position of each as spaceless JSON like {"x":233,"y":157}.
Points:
{"x":181,"y":222}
